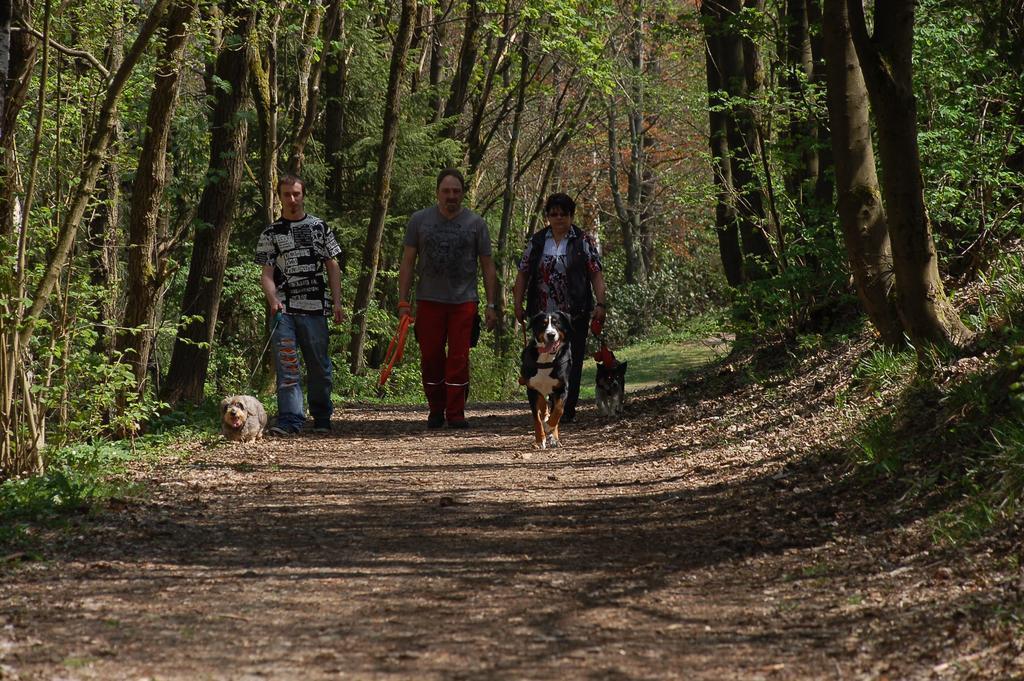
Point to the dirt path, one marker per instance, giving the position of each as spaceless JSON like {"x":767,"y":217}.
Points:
{"x":699,"y":538}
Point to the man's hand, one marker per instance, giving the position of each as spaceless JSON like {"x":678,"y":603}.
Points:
{"x":339,"y":313}
{"x":490,"y":318}
{"x":404,"y":310}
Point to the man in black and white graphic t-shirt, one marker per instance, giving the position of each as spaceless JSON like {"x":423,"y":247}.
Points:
{"x":302,"y":248}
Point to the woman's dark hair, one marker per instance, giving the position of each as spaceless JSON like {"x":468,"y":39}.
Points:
{"x":451,"y":172}
{"x":562,"y":201}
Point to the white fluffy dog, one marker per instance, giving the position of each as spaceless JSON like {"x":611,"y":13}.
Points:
{"x":243,"y":418}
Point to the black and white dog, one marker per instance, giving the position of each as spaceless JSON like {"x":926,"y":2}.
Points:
{"x":545,"y":373}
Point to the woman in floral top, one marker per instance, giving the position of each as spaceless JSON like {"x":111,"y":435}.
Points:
{"x":560,"y":271}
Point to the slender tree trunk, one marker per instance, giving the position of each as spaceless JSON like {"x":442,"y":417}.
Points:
{"x":622,"y":212}
{"x":744,"y":145}
{"x":305,"y":85}
{"x":885,"y":58}
{"x":371,"y":251}
{"x":6,"y":13}
{"x":264,"y":91}
{"x":803,"y":132}
{"x":859,"y":197}
{"x":312,"y":106}
{"x":215,"y":218}
{"x":147,"y":265}
{"x":437,"y":40}
{"x":824,"y":186}
{"x":475,"y":142}
{"x":726,"y":216}
{"x":20,"y":66}
{"x":649,"y":211}
{"x":508,"y":196}
{"x":459,"y":92}
{"x":335,"y":111}
{"x":104,"y":230}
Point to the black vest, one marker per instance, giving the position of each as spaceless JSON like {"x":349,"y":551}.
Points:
{"x":581,"y":299}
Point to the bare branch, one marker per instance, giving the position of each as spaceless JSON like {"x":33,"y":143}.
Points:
{"x":71,"y":52}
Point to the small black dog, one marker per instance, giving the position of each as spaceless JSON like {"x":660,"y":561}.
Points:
{"x":610,"y":390}
{"x":545,"y":373}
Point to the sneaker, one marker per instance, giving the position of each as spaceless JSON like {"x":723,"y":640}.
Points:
{"x":283,"y":431}
{"x":459,"y":424}
{"x":435,"y":421}
{"x":322,"y":429}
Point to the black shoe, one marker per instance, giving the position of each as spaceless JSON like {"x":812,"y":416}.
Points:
{"x":568,"y":417}
{"x":459,"y":424}
{"x":435,"y":421}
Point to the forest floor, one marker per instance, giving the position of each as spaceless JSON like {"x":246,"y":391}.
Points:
{"x":712,"y":533}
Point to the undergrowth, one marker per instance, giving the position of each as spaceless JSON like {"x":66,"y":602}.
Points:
{"x":953,"y":428}
{"x":82,"y":477}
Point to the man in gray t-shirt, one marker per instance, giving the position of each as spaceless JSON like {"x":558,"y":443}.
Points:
{"x":443,"y":244}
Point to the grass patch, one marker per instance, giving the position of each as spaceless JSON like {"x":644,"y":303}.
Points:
{"x":654,"y":363}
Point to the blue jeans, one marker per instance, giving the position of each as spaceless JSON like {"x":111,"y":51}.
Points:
{"x":308,"y":334}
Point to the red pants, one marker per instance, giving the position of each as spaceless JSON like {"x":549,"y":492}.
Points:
{"x":445,"y":376}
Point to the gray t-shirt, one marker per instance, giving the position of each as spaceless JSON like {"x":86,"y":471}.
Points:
{"x":447,"y":254}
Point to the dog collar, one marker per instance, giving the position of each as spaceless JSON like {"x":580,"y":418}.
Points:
{"x":545,"y":365}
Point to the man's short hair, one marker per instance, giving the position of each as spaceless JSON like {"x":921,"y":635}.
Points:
{"x":290,"y":180}
{"x":560,"y":200}
{"x":451,"y":172}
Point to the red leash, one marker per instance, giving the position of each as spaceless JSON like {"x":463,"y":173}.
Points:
{"x":395,"y":349}
{"x":604,"y":355}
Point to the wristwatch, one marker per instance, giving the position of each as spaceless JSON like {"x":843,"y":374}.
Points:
{"x":492,"y":306}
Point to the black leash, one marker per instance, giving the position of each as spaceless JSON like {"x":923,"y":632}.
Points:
{"x":270,"y":337}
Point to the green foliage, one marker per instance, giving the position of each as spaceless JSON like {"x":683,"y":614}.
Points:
{"x":77,"y":478}
{"x":684,"y":287}
{"x":969,"y":126}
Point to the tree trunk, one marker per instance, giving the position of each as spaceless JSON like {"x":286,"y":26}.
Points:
{"x":726,"y":217}
{"x":105,"y":224}
{"x":476,"y":143}
{"x":803,"y":132}
{"x":459,"y":92}
{"x":147,"y":266}
{"x":744,"y":144}
{"x":6,"y":12}
{"x":215,"y":217}
{"x":371,"y":251}
{"x":312,"y":104}
{"x":437,"y":38}
{"x":634,"y":262}
{"x":859,"y":198}
{"x":305,"y":85}
{"x":508,"y":196}
{"x":264,"y":90}
{"x":335,"y":124}
{"x":825,"y":185}
{"x":19,"y":69}
{"x":885,"y":58}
